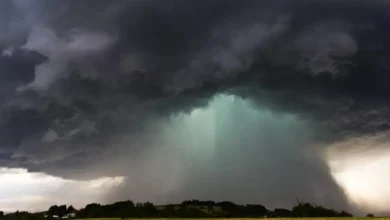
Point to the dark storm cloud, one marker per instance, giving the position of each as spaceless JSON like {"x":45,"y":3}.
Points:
{"x":239,"y":155}
{"x":83,"y":81}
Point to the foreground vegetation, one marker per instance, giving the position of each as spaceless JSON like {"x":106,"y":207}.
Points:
{"x":330,"y":218}
{"x":195,"y":209}
{"x":187,"y":209}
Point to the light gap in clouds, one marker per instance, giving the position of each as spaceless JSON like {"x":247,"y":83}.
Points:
{"x":22,"y":190}
{"x":363,"y":172}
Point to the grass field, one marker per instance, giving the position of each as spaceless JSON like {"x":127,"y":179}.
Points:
{"x":359,"y":218}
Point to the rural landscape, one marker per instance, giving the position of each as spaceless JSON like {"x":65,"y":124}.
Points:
{"x":148,"y":109}
{"x":193,"y":209}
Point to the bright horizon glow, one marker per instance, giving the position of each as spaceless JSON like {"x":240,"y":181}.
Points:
{"x":364,"y":172}
{"x":21,"y":190}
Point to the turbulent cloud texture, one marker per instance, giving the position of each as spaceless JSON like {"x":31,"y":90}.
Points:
{"x":223,"y":100}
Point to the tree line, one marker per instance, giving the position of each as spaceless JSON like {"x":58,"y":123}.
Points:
{"x":187,"y":209}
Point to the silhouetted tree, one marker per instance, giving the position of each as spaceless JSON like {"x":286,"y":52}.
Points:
{"x":255,"y":211}
{"x":345,"y":214}
{"x":94,"y":210}
{"x":150,"y":209}
{"x":283,"y":213}
{"x":303,"y":210}
{"x":70,"y":209}
{"x":208,"y":203}
{"x":370,"y":215}
{"x":53,"y":210}
{"x":57,"y":210}
{"x":61,"y":210}
{"x":169,"y":211}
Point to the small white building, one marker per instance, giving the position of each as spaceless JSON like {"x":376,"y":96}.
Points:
{"x":70,"y":215}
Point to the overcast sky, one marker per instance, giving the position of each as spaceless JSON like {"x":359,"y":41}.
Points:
{"x":250,"y":101}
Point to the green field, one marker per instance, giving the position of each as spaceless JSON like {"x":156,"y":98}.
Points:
{"x":359,"y":218}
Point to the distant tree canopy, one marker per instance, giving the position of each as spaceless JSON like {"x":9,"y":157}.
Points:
{"x":201,"y":209}
{"x":283,"y":213}
{"x":186,"y":209}
{"x":59,"y":211}
{"x":23,"y":216}
{"x":308,"y":210}
{"x":70,"y":210}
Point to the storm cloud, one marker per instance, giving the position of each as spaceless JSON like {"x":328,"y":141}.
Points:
{"x":222,"y":100}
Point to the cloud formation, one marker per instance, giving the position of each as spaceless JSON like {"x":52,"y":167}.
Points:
{"x":134,"y":88}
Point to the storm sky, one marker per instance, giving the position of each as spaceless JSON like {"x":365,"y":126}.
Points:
{"x":250,"y":101}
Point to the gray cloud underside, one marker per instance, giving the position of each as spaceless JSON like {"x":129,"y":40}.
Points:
{"x":87,"y":91}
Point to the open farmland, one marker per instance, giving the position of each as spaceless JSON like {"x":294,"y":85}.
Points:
{"x":349,"y":218}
